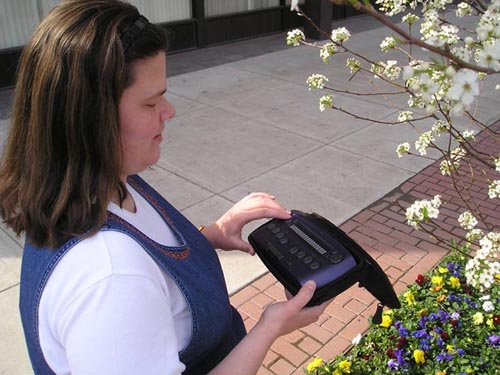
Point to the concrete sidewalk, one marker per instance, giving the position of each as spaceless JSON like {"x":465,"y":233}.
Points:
{"x":247,"y":122}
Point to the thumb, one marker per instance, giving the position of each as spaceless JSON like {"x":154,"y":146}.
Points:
{"x":304,"y":295}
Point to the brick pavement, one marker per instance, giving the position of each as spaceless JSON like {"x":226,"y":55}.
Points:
{"x":401,"y":251}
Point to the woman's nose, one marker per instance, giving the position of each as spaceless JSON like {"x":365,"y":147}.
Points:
{"x":168,"y":111}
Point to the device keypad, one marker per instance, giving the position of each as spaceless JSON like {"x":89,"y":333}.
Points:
{"x":308,"y":258}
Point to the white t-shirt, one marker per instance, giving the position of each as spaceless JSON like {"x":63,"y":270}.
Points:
{"x":108,"y":308}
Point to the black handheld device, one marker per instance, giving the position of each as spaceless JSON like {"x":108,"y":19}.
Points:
{"x":309,"y":247}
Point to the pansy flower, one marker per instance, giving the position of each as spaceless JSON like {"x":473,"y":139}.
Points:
{"x":454,"y":268}
{"x":386,"y":321}
{"x":478,"y":318}
{"x":393,"y":365}
{"x":454,"y":282}
{"x":400,"y":356}
{"x":314,"y":364}
{"x":444,"y":357}
{"x":419,"y":356}
{"x":494,"y":341}
{"x":496,"y":320}
{"x":420,"y":280}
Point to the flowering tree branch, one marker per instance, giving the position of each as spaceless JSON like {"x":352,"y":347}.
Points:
{"x":445,"y":88}
{"x":409,"y":39}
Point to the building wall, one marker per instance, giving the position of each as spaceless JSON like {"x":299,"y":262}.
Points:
{"x":193,"y":23}
{"x":19,"y":18}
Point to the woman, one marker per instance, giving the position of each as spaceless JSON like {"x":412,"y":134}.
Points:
{"x":115,"y":280}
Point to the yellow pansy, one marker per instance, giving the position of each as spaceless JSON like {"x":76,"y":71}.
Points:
{"x":386,"y":321}
{"x":455,"y":282}
{"x":490,"y":324}
{"x":419,"y":356}
{"x":443,"y":270}
{"x":441,"y":298}
{"x":314,"y":364}
{"x":409,"y":298}
{"x":437,"y":280}
{"x":450,"y":348}
{"x":497,"y":276}
{"x":345,"y":366}
{"x":478,"y":318}
{"x":422,"y":312}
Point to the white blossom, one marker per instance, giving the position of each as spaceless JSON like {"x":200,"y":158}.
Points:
{"x":439,"y":127}
{"x":423,"y":142}
{"x":467,"y":220}
{"x":481,"y":270}
{"x":326,"y":51}
{"x":410,"y":18}
{"x":469,"y":41}
{"x":464,"y":89}
{"x":295,"y":37}
{"x":408,"y":72}
{"x":387,"y":44}
{"x":463,"y":9}
{"x":425,"y":86}
{"x":316,"y":81}
{"x":450,"y":165}
{"x":325,"y":102}
{"x":403,"y":149}
{"x":423,"y":210}
{"x":483,"y":32}
{"x":405,"y":116}
{"x":490,"y":56}
{"x":353,"y":64}
{"x":494,"y":189}
{"x":391,"y":70}
{"x":340,"y":35}
{"x":468,"y":135}
{"x":391,"y":7}
{"x":474,"y":235}
{"x":496,"y":162}
{"x":447,"y":167}
{"x":463,"y":53}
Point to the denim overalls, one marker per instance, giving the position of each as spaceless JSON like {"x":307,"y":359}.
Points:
{"x":216,"y":326}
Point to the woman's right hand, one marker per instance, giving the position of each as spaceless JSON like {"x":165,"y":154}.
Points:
{"x":284,"y":317}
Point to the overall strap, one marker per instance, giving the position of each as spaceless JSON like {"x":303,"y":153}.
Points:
{"x":37,"y":266}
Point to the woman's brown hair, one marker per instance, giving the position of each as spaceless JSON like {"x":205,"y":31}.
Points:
{"x":62,"y":160}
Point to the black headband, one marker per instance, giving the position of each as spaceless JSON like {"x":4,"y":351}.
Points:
{"x":132,"y":32}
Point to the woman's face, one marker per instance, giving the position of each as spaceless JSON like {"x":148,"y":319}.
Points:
{"x":143,"y":111}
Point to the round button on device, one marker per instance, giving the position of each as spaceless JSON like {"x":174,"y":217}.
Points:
{"x":301,"y":254}
{"x":314,"y":266}
{"x":293,"y":250}
{"x":307,"y":259}
{"x":335,"y":258}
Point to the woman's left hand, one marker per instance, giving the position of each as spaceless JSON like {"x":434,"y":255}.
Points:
{"x":225,"y":233}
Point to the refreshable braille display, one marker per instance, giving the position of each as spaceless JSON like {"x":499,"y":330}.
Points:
{"x":309,"y":247}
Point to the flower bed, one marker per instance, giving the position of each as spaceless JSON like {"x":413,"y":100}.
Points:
{"x":444,"y":327}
